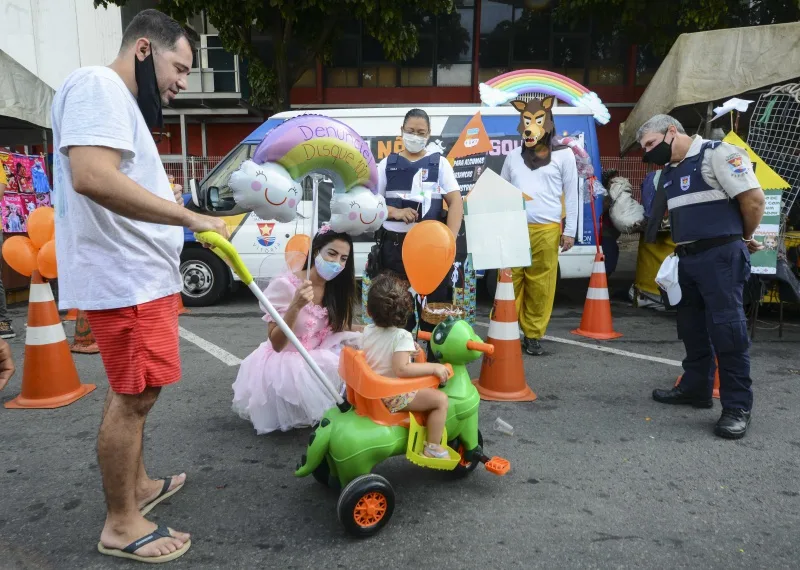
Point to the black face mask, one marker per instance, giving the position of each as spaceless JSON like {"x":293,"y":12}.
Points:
{"x":660,"y":154}
{"x":149,"y":97}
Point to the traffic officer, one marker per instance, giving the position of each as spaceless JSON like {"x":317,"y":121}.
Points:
{"x":415,"y":185}
{"x":715,"y":205}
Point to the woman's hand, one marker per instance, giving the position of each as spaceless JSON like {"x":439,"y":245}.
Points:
{"x":304,"y":295}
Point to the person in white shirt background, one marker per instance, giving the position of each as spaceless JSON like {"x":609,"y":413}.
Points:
{"x":546,"y":175}
{"x":415,"y":183}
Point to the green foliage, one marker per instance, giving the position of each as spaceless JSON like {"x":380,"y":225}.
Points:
{"x":301,"y":31}
{"x":660,"y":22}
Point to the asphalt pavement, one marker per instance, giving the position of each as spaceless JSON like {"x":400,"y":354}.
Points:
{"x":602,"y":476}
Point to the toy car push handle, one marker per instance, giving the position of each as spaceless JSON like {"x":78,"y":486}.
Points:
{"x":225,"y":250}
{"x":471,"y":344}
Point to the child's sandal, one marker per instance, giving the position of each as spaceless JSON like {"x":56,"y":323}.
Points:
{"x":435,"y":451}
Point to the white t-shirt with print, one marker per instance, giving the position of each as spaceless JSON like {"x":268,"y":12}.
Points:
{"x":107,"y":261}
{"x":445,"y":184}
{"x":379,"y":345}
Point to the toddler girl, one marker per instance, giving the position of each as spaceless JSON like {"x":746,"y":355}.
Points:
{"x":388,"y":349}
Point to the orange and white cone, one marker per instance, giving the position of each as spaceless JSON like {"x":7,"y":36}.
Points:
{"x":83,"y":342}
{"x":715,"y":393}
{"x":596,"y":321}
{"x":72,"y":315}
{"x":49,"y":379}
{"x":502,"y":373}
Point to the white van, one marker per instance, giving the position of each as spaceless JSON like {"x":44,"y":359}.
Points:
{"x":261,"y":243}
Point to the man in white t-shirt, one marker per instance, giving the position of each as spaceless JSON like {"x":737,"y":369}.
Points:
{"x":546,"y":175}
{"x":118,"y":242}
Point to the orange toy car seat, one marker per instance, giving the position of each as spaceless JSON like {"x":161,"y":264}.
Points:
{"x":365,"y":388}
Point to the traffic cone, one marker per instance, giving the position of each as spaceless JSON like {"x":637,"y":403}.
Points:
{"x":502,"y":374}
{"x":181,"y":309}
{"x":715,"y":394}
{"x":72,"y":315}
{"x":596,"y":321}
{"x":83,"y":342}
{"x":49,"y":379}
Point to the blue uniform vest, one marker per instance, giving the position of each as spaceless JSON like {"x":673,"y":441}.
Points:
{"x":400,"y":173}
{"x":696,"y":210}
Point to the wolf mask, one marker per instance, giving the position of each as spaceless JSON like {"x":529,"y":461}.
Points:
{"x":537,"y":128}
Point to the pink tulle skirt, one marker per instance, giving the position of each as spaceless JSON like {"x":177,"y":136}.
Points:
{"x":279,"y":391}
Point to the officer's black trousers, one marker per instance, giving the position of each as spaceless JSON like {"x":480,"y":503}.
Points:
{"x":711,"y":320}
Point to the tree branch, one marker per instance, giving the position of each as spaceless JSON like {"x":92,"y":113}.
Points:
{"x":296,"y":71}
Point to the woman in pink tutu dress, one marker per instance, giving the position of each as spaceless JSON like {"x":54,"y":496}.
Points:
{"x":275,"y":388}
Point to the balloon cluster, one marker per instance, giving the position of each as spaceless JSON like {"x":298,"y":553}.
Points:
{"x":36,"y":252}
{"x":268,"y":185}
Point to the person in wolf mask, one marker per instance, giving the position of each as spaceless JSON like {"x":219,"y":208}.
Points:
{"x":546,"y":174}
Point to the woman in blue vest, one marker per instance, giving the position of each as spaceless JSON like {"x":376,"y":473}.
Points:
{"x":416,"y":184}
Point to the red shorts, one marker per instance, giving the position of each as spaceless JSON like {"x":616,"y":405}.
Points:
{"x":139,"y":345}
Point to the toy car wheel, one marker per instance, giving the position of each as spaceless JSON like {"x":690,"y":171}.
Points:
{"x":464,"y":467}
{"x":365,"y":505}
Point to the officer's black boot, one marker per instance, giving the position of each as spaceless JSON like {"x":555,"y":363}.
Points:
{"x":676,"y":396}
{"x":732,"y":424}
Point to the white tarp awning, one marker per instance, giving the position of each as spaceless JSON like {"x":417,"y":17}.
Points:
{"x":708,"y":66}
{"x":25,"y":102}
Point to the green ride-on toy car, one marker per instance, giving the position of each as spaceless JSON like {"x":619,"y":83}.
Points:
{"x":357,"y":434}
{"x":352,"y":438}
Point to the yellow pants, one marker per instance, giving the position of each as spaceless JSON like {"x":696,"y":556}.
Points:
{"x":649,"y":259}
{"x":535,"y":285}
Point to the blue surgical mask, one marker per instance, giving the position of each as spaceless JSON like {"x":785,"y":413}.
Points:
{"x":327,"y":269}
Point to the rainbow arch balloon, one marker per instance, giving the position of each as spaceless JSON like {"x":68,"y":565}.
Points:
{"x":269,"y":183}
{"x":316,"y":143}
{"x":504,"y":88}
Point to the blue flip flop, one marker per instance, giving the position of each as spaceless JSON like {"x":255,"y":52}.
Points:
{"x":164,"y":494}
{"x":128,"y":551}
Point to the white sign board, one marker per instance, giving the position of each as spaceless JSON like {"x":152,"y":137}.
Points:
{"x":496,"y":224}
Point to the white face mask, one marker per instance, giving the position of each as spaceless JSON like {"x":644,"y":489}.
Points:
{"x":414,"y":143}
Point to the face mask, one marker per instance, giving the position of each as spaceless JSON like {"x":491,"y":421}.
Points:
{"x":414,"y":143}
{"x":149,"y":97}
{"x":327,"y":269}
{"x":661,"y":153}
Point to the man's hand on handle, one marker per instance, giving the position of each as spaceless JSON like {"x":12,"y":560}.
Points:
{"x":202,"y":223}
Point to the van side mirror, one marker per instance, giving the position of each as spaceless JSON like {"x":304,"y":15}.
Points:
{"x":215,"y":202}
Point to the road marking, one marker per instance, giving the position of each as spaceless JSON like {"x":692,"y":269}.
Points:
{"x":605,"y":349}
{"x":215,"y":351}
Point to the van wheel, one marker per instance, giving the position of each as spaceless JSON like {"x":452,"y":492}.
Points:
{"x":204,"y":275}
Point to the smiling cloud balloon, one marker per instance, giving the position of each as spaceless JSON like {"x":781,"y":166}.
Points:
{"x":266,"y":189}
{"x":358,"y":211}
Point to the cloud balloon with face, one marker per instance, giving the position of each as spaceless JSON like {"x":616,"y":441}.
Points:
{"x":357,"y":211}
{"x":266,"y":189}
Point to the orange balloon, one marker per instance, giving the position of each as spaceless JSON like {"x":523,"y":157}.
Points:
{"x":47,"y":260}
{"x":20,"y":254}
{"x":297,"y":251}
{"x":41,"y":226}
{"x":428,"y":254}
